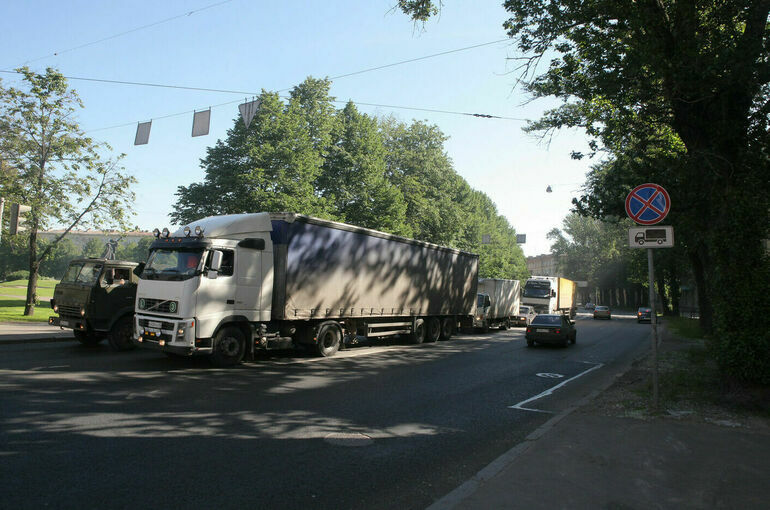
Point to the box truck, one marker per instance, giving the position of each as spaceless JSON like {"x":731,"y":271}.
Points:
{"x":225,"y":286}
{"x":550,"y":294}
{"x":497,"y":304}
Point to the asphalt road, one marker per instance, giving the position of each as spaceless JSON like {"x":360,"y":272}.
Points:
{"x":386,"y":425}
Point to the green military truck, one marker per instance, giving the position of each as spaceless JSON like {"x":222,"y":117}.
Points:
{"x":95,"y":299}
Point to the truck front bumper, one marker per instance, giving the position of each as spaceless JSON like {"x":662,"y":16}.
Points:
{"x":170,"y":335}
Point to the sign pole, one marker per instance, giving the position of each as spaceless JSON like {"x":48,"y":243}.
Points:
{"x":654,"y":323}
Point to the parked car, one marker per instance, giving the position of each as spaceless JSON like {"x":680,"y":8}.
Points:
{"x":602,"y":312}
{"x":644,"y":314}
{"x":590,"y":306}
{"x":551,"y":329}
{"x":525,"y":316}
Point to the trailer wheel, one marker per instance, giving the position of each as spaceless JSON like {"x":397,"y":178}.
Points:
{"x":229,"y":347}
{"x":328,"y":339}
{"x":88,"y":338}
{"x":434,"y":329}
{"x":447,"y":328}
{"x":417,"y":336}
{"x":120,"y":337}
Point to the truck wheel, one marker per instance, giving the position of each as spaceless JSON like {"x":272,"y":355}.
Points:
{"x":434,"y":329}
{"x":121,"y":334}
{"x":328,"y":339}
{"x":88,"y":338}
{"x":485,"y":327}
{"x":447,"y":328}
{"x":229,"y":347}
{"x":504,"y":325}
{"x":418,"y":334}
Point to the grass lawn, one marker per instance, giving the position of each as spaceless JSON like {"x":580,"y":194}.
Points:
{"x":12,"y":307}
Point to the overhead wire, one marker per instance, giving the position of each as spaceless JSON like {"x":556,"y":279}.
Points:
{"x":115,"y":36}
{"x":252,"y":93}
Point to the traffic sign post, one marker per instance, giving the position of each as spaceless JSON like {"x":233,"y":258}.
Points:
{"x":648,"y":204}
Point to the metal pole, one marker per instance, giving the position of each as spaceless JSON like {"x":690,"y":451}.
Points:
{"x":654,"y":323}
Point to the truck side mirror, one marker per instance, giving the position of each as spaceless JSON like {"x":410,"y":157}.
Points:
{"x":138,"y":269}
{"x":216,"y":264}
{"x":553,"y":293}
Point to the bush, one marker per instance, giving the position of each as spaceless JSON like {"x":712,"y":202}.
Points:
{"x":18,"y":275}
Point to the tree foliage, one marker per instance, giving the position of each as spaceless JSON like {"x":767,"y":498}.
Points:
{"x":50,"y":165}
{"x":681,"y":83}
{"x":307,"y":157}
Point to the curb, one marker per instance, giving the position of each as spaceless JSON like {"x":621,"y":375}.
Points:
{"x":459,"y":494}
{"x":36,"y":340}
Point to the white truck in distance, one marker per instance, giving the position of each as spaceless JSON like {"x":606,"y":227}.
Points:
{"x":550,"y":294}
{"x":225,"y":286}
{"x":497,"y":304}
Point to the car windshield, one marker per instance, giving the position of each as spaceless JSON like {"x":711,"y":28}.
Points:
{"x":601,"y":308}
{"x":541,"y":289}
{"x":82,"y":272}
{"x":524,"y":309}
{"x":165,"y":264}
{"x":546,"y":320}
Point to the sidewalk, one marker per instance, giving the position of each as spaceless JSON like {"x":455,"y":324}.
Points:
{"x":592,"y":456}
{"x":32,"y":332}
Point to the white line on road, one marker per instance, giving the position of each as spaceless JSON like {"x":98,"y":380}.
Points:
{"x":551,"y":390}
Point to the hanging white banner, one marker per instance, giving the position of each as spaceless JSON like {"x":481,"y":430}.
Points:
{"x":142,"y":133}
{"x":248,"y":110}
{"x":201,"y":122}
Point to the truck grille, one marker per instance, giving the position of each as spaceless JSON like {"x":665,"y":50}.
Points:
{"x":69,"y":310}
{"x":158,"y":305}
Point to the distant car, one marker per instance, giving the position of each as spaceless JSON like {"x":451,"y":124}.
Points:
{"x":644,"y":314}
{"x":602,"y":312}
{"x":525,"y":316}
{"x":551,"y":329}
{"x":590,"y":306}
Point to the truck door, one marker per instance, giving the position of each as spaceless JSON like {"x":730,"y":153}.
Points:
{"x":216,"y":296}
{"x":249,"y":282}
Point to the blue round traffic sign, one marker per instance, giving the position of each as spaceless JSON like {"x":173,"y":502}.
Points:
{"x":648,"y":204}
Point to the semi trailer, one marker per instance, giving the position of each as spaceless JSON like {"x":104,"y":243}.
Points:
{"x":227,"y":286}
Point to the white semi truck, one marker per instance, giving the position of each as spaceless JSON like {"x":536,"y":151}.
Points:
{"x":550,"y":294}
{"x":225,"y":286}
{"x":497,"y":304}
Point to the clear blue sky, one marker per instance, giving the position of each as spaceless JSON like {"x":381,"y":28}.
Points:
{"x":248,"y":45}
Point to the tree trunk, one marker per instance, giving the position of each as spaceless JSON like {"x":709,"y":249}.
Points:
{"x":34,"y":266}
{"x":705,"y":311}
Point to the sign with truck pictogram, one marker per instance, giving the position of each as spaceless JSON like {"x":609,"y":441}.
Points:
{"x":651,"y":237}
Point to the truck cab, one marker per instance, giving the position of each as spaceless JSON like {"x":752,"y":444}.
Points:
{"x":481,"y":314}
{"x":95,"y":299}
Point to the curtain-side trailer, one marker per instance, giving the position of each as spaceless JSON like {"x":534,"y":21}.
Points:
{"x":225,"y":286}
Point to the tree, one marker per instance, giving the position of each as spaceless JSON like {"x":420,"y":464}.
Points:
{"x":59,"y":171}
{"x":353,"y":177}
{"x":270,"y":166}
{"x":699,"y":72}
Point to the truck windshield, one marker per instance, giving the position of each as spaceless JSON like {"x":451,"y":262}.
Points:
{"x":537,"y":289}
{"x":180,"y":264}
{"x":82,"y":272}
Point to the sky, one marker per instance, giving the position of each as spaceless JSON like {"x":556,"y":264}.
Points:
{"x":251,"y":45}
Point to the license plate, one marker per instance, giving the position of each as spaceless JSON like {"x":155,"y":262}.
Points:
{"x":64,"y":323}
{"x":154,"y":324}
{"x":543,"y":330}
